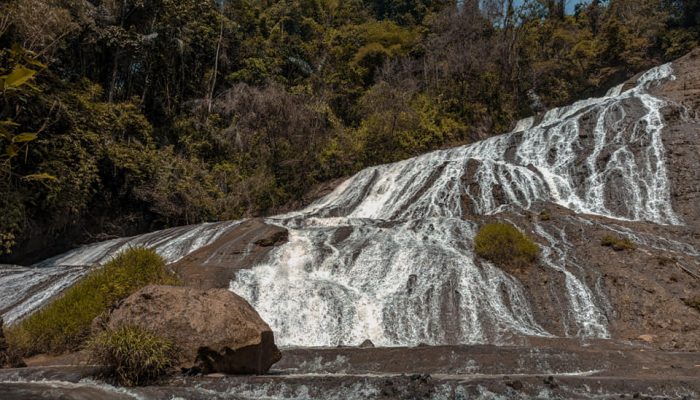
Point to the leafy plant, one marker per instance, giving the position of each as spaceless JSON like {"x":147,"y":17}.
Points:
{"x":17,"y":72}
{"x":504,"y":245}
{"x":133,"y":356}
{"x":65,"y":324}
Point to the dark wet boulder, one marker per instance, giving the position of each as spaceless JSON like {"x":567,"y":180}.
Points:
{"x":216,"y":330}
{"x":245,"y":360}
{"x":367,"y":344}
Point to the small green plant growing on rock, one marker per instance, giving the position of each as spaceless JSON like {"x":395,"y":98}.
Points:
{"x":133,"y":356}
{"x":65,"y":324}
{"x":616,"y":243}
{"x":504,"y":245}
{"x":693,"y":302}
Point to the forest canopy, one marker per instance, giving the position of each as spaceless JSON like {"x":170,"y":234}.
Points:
{"x":121,"y":116}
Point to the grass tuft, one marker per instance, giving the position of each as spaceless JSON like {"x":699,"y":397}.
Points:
{"x":617,"y":244}
{"x":505,"y":246}
{"x":133,"y":356}
{"x":693,"y":302}
{"x":65,"y":324}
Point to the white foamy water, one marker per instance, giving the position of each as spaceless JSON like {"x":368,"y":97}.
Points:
{"x":388,"y":255}
{"x":23,"y":290}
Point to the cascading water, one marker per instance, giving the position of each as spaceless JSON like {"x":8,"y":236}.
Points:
{"x":388,"y":255}
{"x":344,"y":280}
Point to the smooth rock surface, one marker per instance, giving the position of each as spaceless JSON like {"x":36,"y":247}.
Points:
{"x":242,"y":246}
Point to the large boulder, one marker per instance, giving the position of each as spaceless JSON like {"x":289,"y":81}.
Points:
{"x":215,"y":329}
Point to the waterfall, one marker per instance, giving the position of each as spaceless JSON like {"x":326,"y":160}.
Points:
{"x":410,"y":282}
{"x":388,"y":255}
{"x":615,"y":167}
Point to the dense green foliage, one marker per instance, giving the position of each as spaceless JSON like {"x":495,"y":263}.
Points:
{"x":149,"y":113}
{"x":504,"y":245}
{"x":65,"y":324}
{"x":133,"y":356}
{"x":616,"y":243}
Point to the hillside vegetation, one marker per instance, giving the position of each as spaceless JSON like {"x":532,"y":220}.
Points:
{"x":125,"y":116}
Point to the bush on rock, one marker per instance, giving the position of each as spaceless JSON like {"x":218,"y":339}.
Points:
{"x":505,"y":246}
{"x":617,"y":244}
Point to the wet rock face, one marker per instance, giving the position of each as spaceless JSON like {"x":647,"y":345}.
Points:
{"x":215,"y":329}
{"x":243,"y":246}
{"x":682,"y":136}
{"x":626,"y":286}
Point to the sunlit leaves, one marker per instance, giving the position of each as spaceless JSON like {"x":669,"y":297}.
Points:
{"x":40,"y":177}
{"x":11,"y":151}
{"x":18,"y":77}
{"x":24,"y":137}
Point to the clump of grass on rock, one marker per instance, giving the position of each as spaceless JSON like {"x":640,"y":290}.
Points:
{"x":505,"y":246}
{"x":693,"y":302}
{"x":65,"y":324}
{"x":617,"y":244}
{"x":133,"y":356}
{"x":8,"y":356}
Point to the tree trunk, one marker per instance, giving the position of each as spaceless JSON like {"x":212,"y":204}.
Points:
{"x":113,"y":79}
{"x":216,"y":67}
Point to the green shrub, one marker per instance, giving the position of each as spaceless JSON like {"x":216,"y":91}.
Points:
{"x":693,"y":302}
{"x":505,"y":245}
{"x":65,"y":324}
{"x":133,"y":356}
{"x":664,"y":260}
{"x":616,"y":243}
